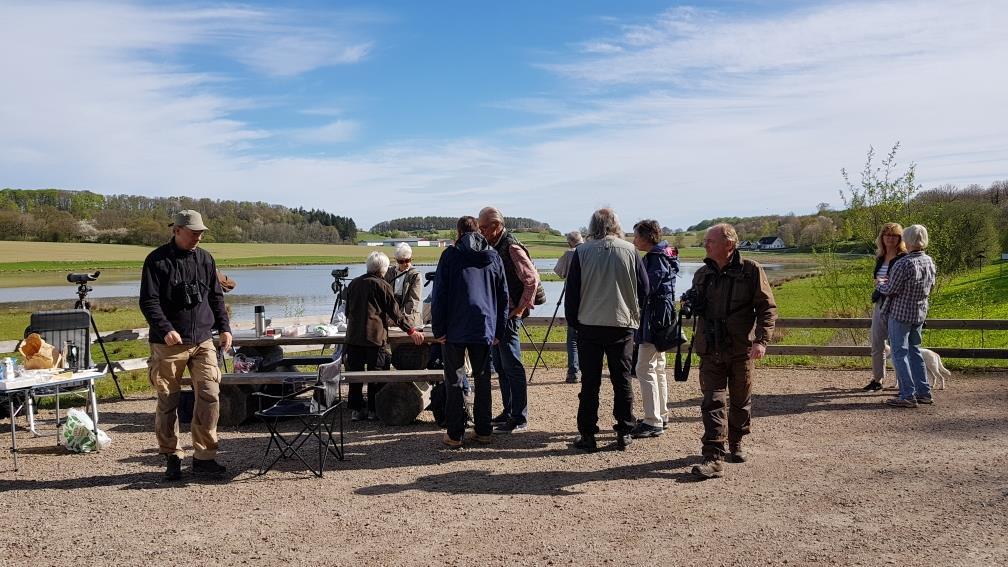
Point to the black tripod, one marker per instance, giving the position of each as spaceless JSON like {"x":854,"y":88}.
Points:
{"x":548,"y":329}
{"x":338,"y":287}
{"x":82,"y":303}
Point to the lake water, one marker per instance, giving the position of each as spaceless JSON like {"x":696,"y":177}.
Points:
{"x":286,"y":291}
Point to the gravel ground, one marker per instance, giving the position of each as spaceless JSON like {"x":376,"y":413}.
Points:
{"x":835,"y":478}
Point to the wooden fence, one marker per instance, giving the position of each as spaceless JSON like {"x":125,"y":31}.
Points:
{"x":835,"y":323}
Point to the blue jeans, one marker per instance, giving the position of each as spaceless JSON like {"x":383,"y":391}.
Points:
{"x":572,"y":353}
{"x":507,"y":359}
{"x":905,"y":340}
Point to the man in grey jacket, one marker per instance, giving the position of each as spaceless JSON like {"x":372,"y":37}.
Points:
{"x":574,"y":239}
{"x":606,"y":289}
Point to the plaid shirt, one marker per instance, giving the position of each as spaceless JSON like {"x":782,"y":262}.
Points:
{"x":910,"y":282}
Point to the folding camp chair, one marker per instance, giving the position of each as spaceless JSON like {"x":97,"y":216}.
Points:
{"x":56,"y":328}
{"x":317,"y":414}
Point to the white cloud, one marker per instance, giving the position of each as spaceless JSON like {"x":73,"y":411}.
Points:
{"x":333,"y":132}
{"x":693,"y":115}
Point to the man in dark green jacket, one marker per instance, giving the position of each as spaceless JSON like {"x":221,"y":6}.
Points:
{"x":736,"y":313}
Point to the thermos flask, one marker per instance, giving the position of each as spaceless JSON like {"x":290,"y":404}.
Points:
{"x":260,"y":320}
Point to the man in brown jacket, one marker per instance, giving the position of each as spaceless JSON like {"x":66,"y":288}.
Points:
{"x":735,"y":307}
{"x":369,"y":304}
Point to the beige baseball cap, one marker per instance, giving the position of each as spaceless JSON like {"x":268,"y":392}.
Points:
{"x":189,"y":219}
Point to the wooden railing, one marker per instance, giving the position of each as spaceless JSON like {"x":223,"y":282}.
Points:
{"x":835,"y":323}
{"x":773,"y":349}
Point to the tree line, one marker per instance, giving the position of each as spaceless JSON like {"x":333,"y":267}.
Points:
{"x":434,"y":223}
{"x":60,"y":215}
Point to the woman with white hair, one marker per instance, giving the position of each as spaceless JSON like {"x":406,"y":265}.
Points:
{"x":906,"y":288}
{"x":370,"y":305}
{"x":406,"y":284}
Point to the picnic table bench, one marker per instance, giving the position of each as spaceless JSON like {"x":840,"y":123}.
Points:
{"x":399,"y":403}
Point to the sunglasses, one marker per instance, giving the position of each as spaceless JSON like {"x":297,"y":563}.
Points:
{"x":406,"y":261}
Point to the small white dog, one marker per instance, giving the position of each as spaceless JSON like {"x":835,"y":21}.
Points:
{"x":932,"y":362}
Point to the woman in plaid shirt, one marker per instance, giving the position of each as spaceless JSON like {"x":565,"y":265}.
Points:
{"x":906,"y":288}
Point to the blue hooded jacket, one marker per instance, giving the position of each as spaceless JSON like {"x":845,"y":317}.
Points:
{"x":470,"y":298}
{"x":662,"y":265}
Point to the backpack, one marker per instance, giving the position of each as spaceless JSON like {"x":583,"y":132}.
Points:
{"x":665,"y":331}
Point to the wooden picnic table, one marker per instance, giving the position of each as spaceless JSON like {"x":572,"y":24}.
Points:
{"x":237,"y":405}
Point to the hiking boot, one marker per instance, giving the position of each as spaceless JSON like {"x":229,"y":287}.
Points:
{"x":925,"y":400}
{"x":512,"y":426}
{"x":642,"y":430}
{"x":586,"y":443}
{"x":372,"y":415}
{"x":623,"y":440}
{"x":208,"y":468}
{"x":710,"y":468}
{"x":451,"y":443}
{"x":736,"y":454}
{"x":173,"y":471}
{"x":484,"y":439}
{"x":502,"y":418}
{"x":358,"y":415}
{"x":572,"y":378}
{"x":872,"y":386}
{"x":901,"y":403}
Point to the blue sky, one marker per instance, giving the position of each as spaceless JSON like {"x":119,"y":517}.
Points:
{"x":678,"y":111}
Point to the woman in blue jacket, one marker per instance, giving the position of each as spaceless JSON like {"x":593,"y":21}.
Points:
{"x":662,"y":264}
{"x":468,"y":313}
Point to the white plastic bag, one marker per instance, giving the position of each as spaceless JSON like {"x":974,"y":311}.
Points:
{"x":78,"y":433}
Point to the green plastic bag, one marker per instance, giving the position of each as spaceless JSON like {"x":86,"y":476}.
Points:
{"x":78,"y":433}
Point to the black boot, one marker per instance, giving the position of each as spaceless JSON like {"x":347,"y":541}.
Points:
{"x":173,"y":472}
{"x":208,"y":468}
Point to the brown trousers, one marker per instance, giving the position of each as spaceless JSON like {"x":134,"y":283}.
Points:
{"x":718,"y":372}
{"x":165,"y":367}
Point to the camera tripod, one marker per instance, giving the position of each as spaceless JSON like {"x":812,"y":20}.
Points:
{"x":82,"y":303}
{"x":338,"y":287}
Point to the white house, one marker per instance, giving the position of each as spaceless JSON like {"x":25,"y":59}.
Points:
{"x":413,"y":242}
{"x":746,"y":245}
{"x":770,"y":243}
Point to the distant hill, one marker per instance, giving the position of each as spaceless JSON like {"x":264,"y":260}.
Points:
{"x":60,"y":215}
{"x":433,"y":224}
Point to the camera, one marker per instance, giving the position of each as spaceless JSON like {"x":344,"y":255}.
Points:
{"x":82,"y":278}
{"x":339,"y":274}
{"x":694,"y":303}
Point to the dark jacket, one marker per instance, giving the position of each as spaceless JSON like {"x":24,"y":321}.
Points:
{"x":470,"y":294}
{"x":167,"y":272}
{"x":876,"y":294}
{"x":740,"y":307}
{"x":662,"y":267}
{"x":369,"y":305}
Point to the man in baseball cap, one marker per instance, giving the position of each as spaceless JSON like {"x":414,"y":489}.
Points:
{"x":182,"y":300}
{"x":189,"y":219}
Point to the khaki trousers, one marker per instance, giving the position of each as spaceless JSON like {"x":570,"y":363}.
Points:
{"x":718,"y":372}
{"x":165,"y":367}
{"x":653,"y":384}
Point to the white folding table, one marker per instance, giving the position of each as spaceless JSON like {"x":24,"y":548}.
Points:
{"x":34,"y":380}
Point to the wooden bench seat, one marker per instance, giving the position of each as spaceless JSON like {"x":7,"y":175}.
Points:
{"x":386,"y":376}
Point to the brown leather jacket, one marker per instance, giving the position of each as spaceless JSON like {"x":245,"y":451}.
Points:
{"x":369,"y":304}
{"x":740,"y":308}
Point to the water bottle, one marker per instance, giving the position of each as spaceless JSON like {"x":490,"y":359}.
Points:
{"x":260,"y":320}
{"x":8,"y":369}
{"x":72,"y":357}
